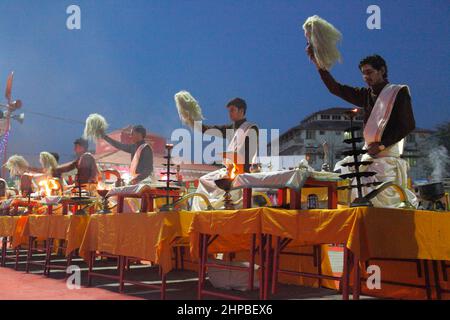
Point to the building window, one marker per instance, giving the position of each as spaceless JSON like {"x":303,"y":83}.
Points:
{"x":322,"y":132}
{"x":411,"y":138}
{"x":325,"y":117}
{"x":412,"y":162}
{"x":335,"y":117}
{"x":310,"y":134}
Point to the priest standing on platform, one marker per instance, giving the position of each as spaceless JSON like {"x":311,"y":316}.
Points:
{"x":141,"y":154}
{"x":85,"y":164}
{"x":243,"y":143}
{"x":388,"y":119}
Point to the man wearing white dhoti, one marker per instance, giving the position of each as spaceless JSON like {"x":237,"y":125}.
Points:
{"x":388,"y":119}
{"x":243,"y":144}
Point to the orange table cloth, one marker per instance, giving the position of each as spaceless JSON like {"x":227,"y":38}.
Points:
{"x":8,"y":225}
{"x":373,"y":233}
{"x":147,"y":236}
{"x":69,"y":227}
{"x":367,"y":232}
{"x":235,"y":229}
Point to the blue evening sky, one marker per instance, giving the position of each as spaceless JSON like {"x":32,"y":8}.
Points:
{"x":131,"y":57}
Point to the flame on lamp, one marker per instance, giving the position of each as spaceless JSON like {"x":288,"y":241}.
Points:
{"x":48,"y":186}
{"x":233,"y":172}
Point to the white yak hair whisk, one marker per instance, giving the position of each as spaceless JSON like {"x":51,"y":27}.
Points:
{"x":188,"y":108}
{"x":96,"y":127}
{"x":48,"y":161}
{"x":323,"y":37}
{"x":17,"y":165}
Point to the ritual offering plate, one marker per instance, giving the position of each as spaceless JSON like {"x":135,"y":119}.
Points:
{"x":50,"y":200}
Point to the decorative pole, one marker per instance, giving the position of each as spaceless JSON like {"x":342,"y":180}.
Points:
{"x":10,"y":107}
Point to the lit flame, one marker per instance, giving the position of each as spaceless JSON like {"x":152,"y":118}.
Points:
{"x":234,"y":171}
{"x":355,"y":110}
{"x":48,"y":186}
{"x":102,"y":186}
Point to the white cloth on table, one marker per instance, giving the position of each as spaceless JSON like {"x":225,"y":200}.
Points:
{"x":215,"y":195}
{"x":293,"y":179}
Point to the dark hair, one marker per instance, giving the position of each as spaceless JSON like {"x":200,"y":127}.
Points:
{"x":56,"y":155}
{"x":238,"y":103}
{"x":82,"y":142}
{"x":377,"y":62}
{"x":140,"y":129}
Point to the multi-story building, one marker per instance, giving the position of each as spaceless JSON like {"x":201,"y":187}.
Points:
{"x":329,"y":126}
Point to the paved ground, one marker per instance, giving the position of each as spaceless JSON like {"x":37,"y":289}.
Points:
{"x":182,"y":285}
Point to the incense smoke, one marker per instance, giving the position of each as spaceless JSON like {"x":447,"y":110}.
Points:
{"x":439,"y":159}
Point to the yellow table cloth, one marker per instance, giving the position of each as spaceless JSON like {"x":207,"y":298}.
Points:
{"x":147,"y":236}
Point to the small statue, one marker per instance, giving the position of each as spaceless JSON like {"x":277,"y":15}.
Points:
{"x":325,"y":165}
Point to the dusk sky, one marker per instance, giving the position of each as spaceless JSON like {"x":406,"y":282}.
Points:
{"x":131,"y":57}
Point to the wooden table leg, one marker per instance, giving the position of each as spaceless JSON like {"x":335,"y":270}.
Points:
{"x":332,"y":197}
{"x":17,"y":251}
{"x":200,"y":250}
{"x":262,"y":241}
{"x":65,"y":208}
{"x":150,"y":204}
{"x":427,"y":279}
{"x":281,"y":197}
{"x":267,"y":266}
{"x":346,"y":275}
{"x":203,"y":259}
{"x":122,"y":264}
{"x":90,"y":267}
{"x":48,"y":256}
{"x":319,"y":263}
{"x":251,"y":276}
{"x":120,"y":202}
{"x":144,"y":207}
{"x":4,"y":249}
{"x":296,"y":198}
{"x":436,"y":280}
{"x":163,"y":284}
{"x":247,"y":198}
{"x":356,"y":277}
{"x":29,"y":253}
{"x":275,"y":265}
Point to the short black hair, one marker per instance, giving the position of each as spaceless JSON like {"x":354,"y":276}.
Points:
{"x":82,"y":142}
{"x":140,"y":129}
{"x":376,"y":61}
{"x":238,"y":103}
{"x":55,"y":155}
